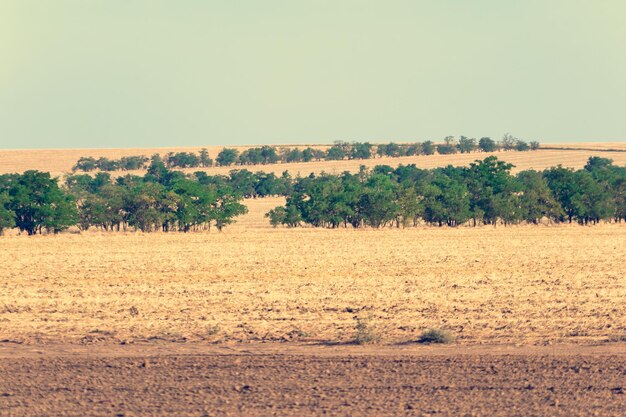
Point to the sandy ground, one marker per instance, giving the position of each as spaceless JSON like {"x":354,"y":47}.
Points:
{"x":312,"y":380}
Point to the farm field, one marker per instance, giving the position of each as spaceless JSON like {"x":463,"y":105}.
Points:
{"x":323,"y":381}
{"x":60,"y":161}
{"x":523,"y":285}
{"x":258,"y":320}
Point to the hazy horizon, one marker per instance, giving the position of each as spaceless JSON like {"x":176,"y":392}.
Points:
{"x":147,"y":74}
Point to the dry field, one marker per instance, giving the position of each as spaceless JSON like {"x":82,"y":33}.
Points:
{"x":590,"y":145}
{"x":177,"y":324}
{"x":524,"y":284}
{"x":60,"y":161}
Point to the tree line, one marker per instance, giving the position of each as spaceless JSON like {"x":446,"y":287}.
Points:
{"x":264,"y":155}
{"x":35,"y":203}
{"x":137,"y":162}
{"x":484,"y":193}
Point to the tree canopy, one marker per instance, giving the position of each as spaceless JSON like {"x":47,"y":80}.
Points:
{"x":484,"y":193}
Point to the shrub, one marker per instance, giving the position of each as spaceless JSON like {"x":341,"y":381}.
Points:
{"x":365,"y":333}
{"x":436,"y":336}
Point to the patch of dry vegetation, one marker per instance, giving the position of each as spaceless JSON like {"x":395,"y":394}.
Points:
{"x":523,"y":284}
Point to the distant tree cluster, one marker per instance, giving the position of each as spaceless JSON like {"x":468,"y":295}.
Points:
{"x":264,"y":155}
{"x":483,"y":193}
{"x":125,"y":163}
{"x":163,"y":200}
{"x":132,"y":163}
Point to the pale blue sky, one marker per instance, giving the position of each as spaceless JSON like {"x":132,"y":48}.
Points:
{"x":138,"y":73}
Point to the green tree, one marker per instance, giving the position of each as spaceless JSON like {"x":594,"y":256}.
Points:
{"x":296,"y":155}
{"x":409,"y":205}
{"x":392,"y":149}
{"x":491,"y":188}
{"x":446,"y":201}
{"x":536,"y":200}
{"x":487,"y":145}
{"x":39,"y":204}
{"x":448,"y":146}
{"x":308,"y":154}
{"x":157,"y":171}
{"x":521,"y":146}
{"x":619,"y":193}
{"x":377,"y":203}
{"x":106,"y":164}
{"x":361,"y":150}
{"x":414,"y":149}
{"x":85,"y":164}
{"x":244,"y":182}
{"x":466,"y":145}
{"x":428,"y":148}
{"x":7,"y":216}
{"x":205,"y":160}
{"x":192,"y":204}
{"x":269,"y":155}
{"x":227,"y":157}
{"x":93,"y":211}
{"x":226,"y":208}
{"x":564,"y":187}
{"x":142,"y":207}
{"x":335,"y":153}
{"x":129,"y":163}
{"x":288,"y":216}
{"x":183,"y":160}
{"x":593,"y":201}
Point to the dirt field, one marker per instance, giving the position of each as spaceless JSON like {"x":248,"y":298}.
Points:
{"x":59,"y":162}
{"x":524,"y":284}
{"x":338,"y":381}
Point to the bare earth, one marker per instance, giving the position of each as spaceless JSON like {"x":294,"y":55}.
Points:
{"x":314,"y":380}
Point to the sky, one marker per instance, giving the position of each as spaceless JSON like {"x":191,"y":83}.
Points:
{"x":149,"y":73}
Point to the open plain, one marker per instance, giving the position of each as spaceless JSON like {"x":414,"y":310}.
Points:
{"x":260,"y":321}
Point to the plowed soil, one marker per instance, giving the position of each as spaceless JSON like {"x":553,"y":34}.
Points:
{"x":567,"y":381}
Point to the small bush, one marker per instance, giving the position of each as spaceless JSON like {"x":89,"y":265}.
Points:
{"x":436,"y":336}
{"x":365,"y":333}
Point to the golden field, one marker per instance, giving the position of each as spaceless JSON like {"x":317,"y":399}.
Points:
{"x":522,"y":284}
{"x":60,"y":161}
